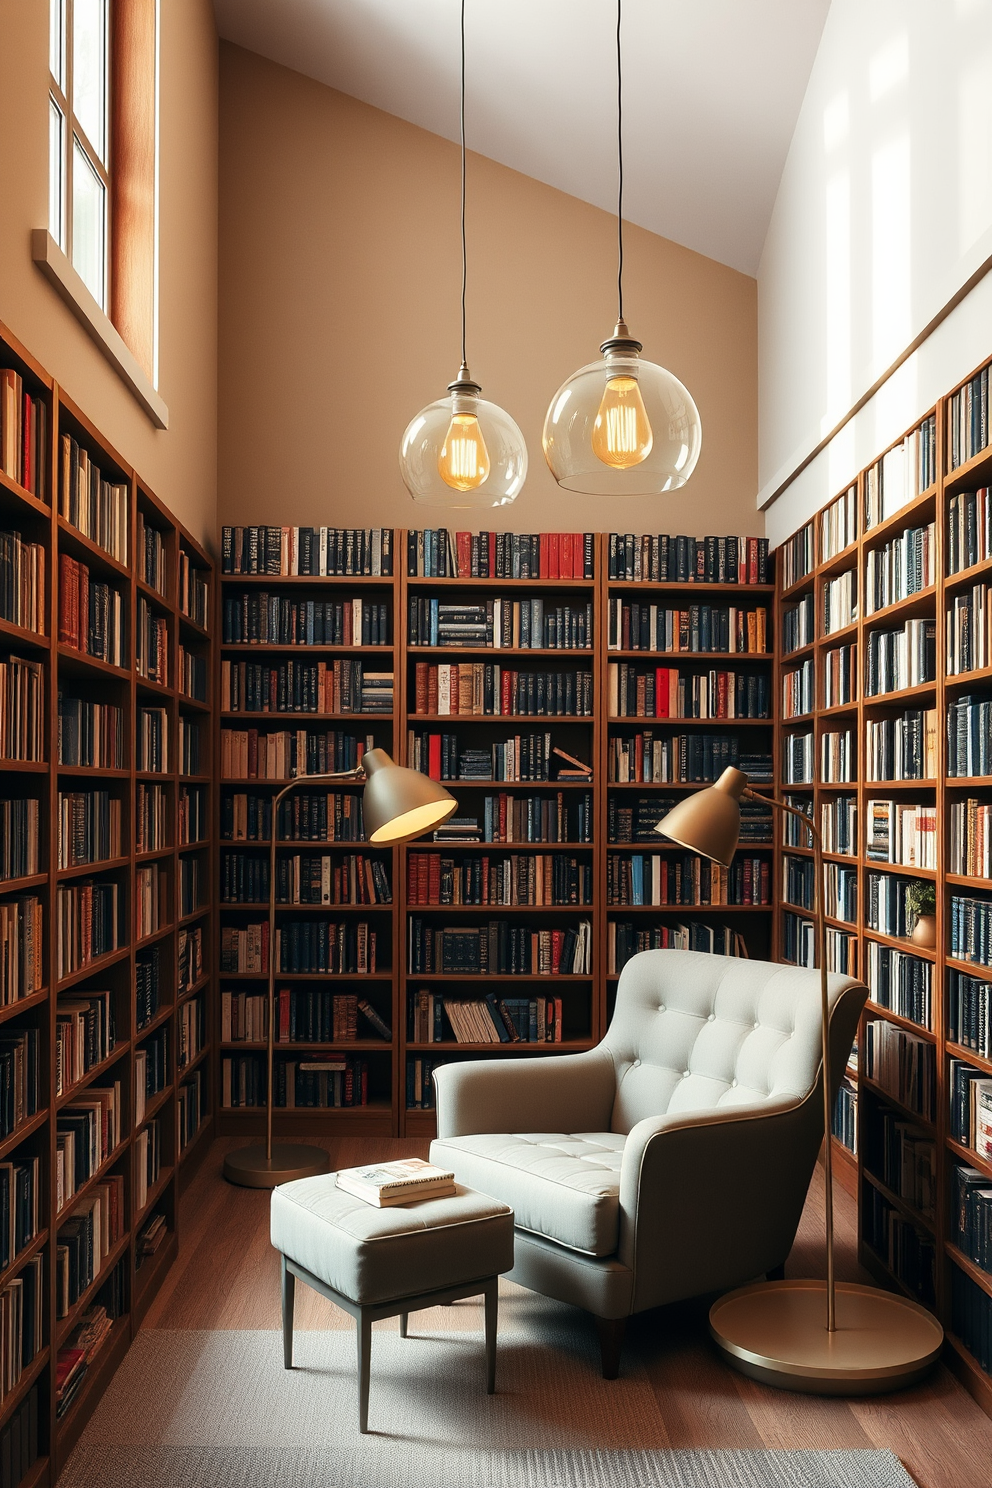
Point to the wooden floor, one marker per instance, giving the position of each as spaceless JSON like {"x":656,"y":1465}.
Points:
{"x":227,"y":1277}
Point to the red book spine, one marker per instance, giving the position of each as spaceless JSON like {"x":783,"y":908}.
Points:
{"x":491,"y":574}
{"x":412,"y":863}
{"x":554,"y":555}
{"x":752,"y":560}
{"x":431,"y":690}
{"x":463,"y":549}
{"x":506,"y":693}
{"x":578,"y":555}
{"x":434,"y":756}
{"x":661,"y":692}
{"x":502,"y":817}
{"x":434,"y":879}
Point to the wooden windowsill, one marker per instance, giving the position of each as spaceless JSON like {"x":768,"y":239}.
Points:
{"x":69,"y":286}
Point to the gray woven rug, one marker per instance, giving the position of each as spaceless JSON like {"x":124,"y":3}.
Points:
{"x":217,"y":1410}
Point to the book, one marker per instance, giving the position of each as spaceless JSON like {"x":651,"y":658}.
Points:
{"x":403,"y":1182}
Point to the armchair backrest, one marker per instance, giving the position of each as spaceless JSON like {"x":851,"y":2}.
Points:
{"x":694,"y":1031}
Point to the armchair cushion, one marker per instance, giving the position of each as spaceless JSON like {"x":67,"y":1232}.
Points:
{"x":563,"y":1186}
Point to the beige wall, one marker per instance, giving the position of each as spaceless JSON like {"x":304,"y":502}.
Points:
{"x":339,"y":279}
{"x":179,"y":464}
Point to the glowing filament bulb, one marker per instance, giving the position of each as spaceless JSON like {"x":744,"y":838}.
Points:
{"x":621,"y":435}
{"x":464,"y":460}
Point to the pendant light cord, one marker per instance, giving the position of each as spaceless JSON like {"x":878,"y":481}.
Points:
{"x":619,"y":165}
{"x":464,"y":254}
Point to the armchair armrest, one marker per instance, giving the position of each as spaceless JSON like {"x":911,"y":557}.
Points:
{"x":711,"y":1199}
{"x":570,"y":1092}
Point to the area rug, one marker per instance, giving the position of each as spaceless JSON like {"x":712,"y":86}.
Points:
{"x":217,"y":1410}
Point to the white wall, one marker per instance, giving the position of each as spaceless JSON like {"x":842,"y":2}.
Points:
{"x":884,"y":211}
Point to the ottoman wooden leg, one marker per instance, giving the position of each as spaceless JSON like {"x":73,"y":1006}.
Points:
{"x":288,"y":1300}
{"x":403,"y":1323}
{"x":492,"y":1307}
{"x":364,"y":1334}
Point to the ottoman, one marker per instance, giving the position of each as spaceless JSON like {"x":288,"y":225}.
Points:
{"x":381,"y":1263}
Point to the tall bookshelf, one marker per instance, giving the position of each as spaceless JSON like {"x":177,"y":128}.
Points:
{"x":469,"y":597}
{"x":103,"y":1019}
{"x":908,"y":727}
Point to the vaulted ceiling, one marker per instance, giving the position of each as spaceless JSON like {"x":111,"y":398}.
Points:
{"x":712,"y":91}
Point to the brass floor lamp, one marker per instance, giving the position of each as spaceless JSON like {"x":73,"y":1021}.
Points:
{"x":824,"y":1338}
{"x":398,"y":804}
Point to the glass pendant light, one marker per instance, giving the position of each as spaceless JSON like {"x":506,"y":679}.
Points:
{"x":463,"y":451}
{"x":622,"y":426}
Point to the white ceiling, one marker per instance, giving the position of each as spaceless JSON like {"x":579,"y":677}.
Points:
{"x":712,"y":91}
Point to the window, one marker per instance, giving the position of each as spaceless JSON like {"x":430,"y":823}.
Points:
{"x":79,"y":64}
{"x":102,"y":196}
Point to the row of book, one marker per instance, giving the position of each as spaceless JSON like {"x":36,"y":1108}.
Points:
{"x":317,"y":1084}
{"x":191,"y":1030}
{"x":799,"y":882}
{"x":90,"y":734}
{"x":500,"y":624}
{"x":797,"y":555}
{"x":151,"y":817}
{"x":147,"y":985}
{"x":22,"y":709}
{"x":96,"y":507}
{"x":498,"y":948}
{"x":887,"y":904}
{"x":303,"y":947}
{"x":89,"y":922}
{"x":88,"y":1129}
{"x":840,"y":892}
{"x":304,"y":816}
{"x":86,"y":1239}
{"x":901,"y":658}
{"x":344,"y":686}
{"x":970,"y":838}
{"x":895,"y":833}
{"x":301,"y":878}
{"x":970,"y":1115}
{"x":970,"y":929}
{"x":481,"y":689}
{"x":254,"y":754}
{"x":971,"y":1317}
{"x":20,"y":846}
{"x":903,"y":566}
{"x":840,"y":675}
{"x":194,"y":591}
{"x":318,"y":552}
{"x":192,"y":820}
{"x":302,"y":1016}
{"x":968,"y":419}
{"x":969,"y":529}
{"x":22,"y":1317}
{"x":905,"y":1247}
{"x":147,"y":1161}
{"x":972,"y":1215}
{"x":192,"y":674}
{"x":22,"y":582}
{"x":903,"y":473}
{"x":969,"y":736}
{"x":799,"y":690}
{"x":648,"y":758}
{"x":667,"y":559}
{"x":519,"y":879}
{"x":89,"y":827}
{"x":798,"y":755}
{"x":151,"y":900}
{"x":526,"y":818}
{"x":151,"y":1071}
{"x":84,"y":1036}
{"x":191,"y":1108}
{"x":91,"y":614}
{"x":839,"y":525}
{"x":436,"y":553}
{"x":667,"y":692}
{"x":798,"y":625}
{"x":23,"y":434}
{"x":968,"y":630}
{"x":642,"y":878}
{"x":189,"y":957}
{"x":22,"y":941}
{"x":151,"y":555}
{"x":903,"y":747}
{"x":263,"y":619}
{"x":19,"y":1077}
{"x":493,"y":1019}
{"x":845,"y":1120}
{"x":904,"y":1157}
{"x":625,"y":939}
{"x":969,"y":1012}
{"x":192,"y":884}
{"x":839,"y":825}
{"x":901,"y":982}
{"x":78,"y":1354}
{"x":902,"y":1063}
{"x":700,"y":627}
{"x":520,"y":758}
{"x":840,"y":602}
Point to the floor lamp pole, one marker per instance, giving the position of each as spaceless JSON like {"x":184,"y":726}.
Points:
{"x":255,"y":1166}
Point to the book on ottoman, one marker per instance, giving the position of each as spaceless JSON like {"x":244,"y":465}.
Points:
{"x":403,"y":1182}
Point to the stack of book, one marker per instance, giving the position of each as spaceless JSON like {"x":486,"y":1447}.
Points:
{"x":501,"y":624}
{"x":320,"y":552}
{"x":23,"y":434}
{"x":265,"y":619}
{"x":901,"y":658}
{"x":499,"y":949}
{"x":22,"y":582}
{"x":96,"y":507}
{"x":901,"y":567}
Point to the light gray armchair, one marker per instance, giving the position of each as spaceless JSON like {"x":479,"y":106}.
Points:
{"x":671,"y":1160}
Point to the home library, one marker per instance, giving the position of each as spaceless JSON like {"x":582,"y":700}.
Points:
{"x":495,"y":658}
{"x":106,"y":895}
{"x":886,"y":689}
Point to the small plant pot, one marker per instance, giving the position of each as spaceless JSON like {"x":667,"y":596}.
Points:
{"x":925,"y":931}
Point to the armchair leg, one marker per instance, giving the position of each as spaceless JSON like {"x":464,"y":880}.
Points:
{"x":776,"y":1273}
{"x":611,"y":1331}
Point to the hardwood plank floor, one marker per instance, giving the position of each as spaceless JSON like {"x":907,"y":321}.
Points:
{"x":227,"y":1276}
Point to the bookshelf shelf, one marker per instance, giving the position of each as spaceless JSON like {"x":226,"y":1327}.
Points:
{"x":21,"y":1134}
{"x":25,"y":1254}
{"x":978,"y":1276}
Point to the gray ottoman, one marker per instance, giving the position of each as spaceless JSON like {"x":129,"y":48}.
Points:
{"x":381,"y":1263}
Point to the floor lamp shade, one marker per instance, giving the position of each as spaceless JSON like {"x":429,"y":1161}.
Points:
{"x":709,"y":822}
{"x":400,"y":804}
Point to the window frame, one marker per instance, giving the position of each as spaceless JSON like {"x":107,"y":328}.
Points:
{"x":72,"y":131}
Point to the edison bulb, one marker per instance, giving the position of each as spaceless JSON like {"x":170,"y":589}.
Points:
{"x":463,"y":462}
{"x":621,"y":435}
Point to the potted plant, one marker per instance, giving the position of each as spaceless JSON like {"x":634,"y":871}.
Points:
{"x":921,"y":898}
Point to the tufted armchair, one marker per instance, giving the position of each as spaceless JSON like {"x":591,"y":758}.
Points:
{"x":671,"y":1160}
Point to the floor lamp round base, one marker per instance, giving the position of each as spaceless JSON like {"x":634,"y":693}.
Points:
{"x":775,"y":1331}
{"x":250,"y":1167}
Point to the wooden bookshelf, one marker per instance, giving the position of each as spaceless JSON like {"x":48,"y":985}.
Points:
{"x":939,"y":790}
{"x":125,"y":1273}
